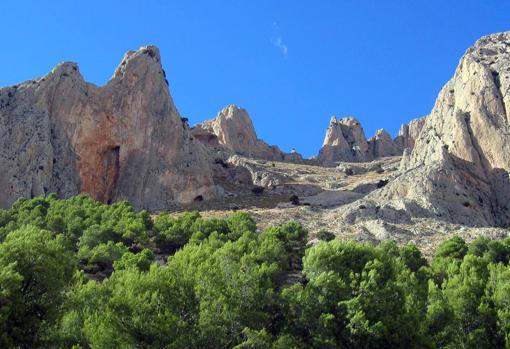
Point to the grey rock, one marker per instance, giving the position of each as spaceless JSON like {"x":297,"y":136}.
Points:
{"x":124,"y":140}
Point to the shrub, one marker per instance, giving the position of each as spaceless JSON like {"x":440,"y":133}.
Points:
{"x":325,"y":235}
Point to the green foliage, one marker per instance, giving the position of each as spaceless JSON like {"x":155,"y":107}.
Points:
{"x":360,"y":296}
{"x":255,"y":340}
{"x":174,"y":232}
{"x":96,"y":230}
{"x":229,"y":285}
{"x":131,"y":309}
{"x":35,"y":268}
{"x":239,"y":223}
{"x":453,"y":248}
{"x":498,"y":292}
{"x":141,"y":261}
{"x":412,"y":257}
{"x":325,"y":235}
{"x":105,"y":254}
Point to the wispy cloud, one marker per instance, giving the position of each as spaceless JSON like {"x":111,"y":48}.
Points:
{"x":277,"y":41}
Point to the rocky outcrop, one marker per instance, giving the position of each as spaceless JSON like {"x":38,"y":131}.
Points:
{"x":232,"y":131}
{"x":124,"y":140}
{"x":408,"y":133}
{"x":458,"y":170}
{"x":345,"y":141}
{"x":381,"y":145}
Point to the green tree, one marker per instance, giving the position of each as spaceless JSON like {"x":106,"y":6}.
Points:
{"x":498,"y":289}
{"x":36,"y":268}
{"x":454,"y":248}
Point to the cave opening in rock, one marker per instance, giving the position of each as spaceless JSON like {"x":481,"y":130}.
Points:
{"x":111,"y":174}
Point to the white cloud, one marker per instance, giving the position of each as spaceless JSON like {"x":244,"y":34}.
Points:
{"x":277,"y":41}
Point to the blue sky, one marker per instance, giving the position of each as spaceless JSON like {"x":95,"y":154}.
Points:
{"x":291,"y":64}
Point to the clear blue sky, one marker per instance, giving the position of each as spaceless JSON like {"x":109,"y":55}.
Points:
{"x":291,"y":64}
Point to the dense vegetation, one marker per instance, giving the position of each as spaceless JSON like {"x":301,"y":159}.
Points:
{"x":78,"y":274}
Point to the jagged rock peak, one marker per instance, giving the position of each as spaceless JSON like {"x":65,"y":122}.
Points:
{"x":409,"y":132}
{"x":382,"y":145}
{"x":65,"y":67}
{"x":471,"y":115}
{"x":124,"y":140}
{"x":149,"y":55}
{"x":232,"y":130}
{"x":350,"y":121}
{"x":345,"y":141}
{"x":459,"y":167}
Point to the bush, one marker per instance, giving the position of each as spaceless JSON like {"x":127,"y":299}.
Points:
{"x":173,"y":232}
{"x":141,"y":261}
{"x":294,"y":200}
{"x":325,"y":235}
{"x":453,"y":248}
{"x":257,"y":190}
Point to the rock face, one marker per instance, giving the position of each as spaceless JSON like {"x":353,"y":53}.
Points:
{"x":408,"y":133}
{"x":232,"y":131}
{"x":345,"y":141}
{"x":458,"y":170}
{"x":125,"y":140}
{"x":381,"y":145}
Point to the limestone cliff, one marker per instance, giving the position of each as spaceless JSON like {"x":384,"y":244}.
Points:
{"x":345,"y":141}
{"x":232,"y":130}
{"x":459,"y":167}
{"x":381,"y":145}
{"x":408,"y":133}
{"x":124,"y":140}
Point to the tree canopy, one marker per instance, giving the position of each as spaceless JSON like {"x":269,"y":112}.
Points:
{"x":79,"y":274}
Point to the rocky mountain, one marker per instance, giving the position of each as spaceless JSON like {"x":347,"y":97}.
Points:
{"x":444,"y":173}
{"x":453,"y":177}
{"x":232,"y":131}
{"x":408,"y":133}
{"x":382,"y":145}
{"x":345,"y":141}
{"x":124,"y":140}
{"x":458,"y":170}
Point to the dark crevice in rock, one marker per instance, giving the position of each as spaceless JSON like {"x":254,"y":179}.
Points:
{"x":497,"y":82}
{"x":111,"y":175}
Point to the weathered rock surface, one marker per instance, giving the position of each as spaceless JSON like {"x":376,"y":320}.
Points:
{"x":408,"y":133}
{"x":381,"y":145}
{"x":124,"y":140}
{"x":232,"y":131}
{"x":345,"y":141}
{"x":458,"y":170}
